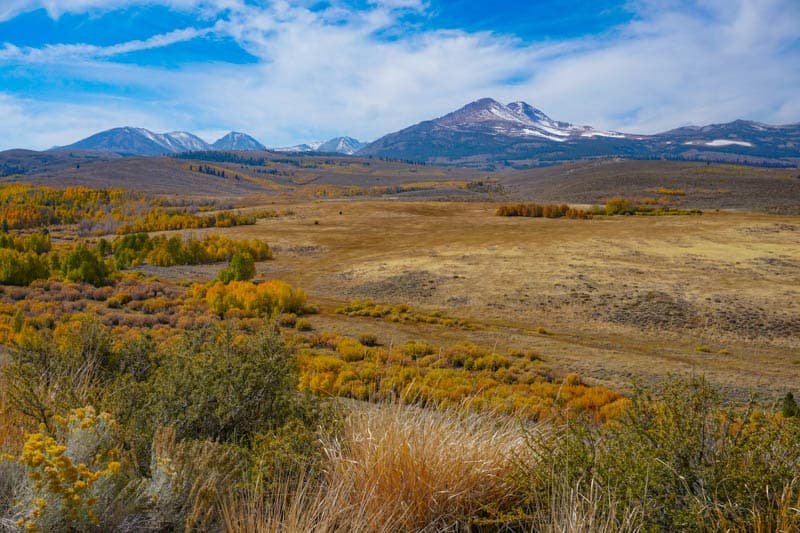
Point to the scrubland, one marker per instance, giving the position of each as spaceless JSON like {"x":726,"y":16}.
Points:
{"x":376,"y":365}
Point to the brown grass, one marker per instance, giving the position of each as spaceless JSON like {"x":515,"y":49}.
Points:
{"x":575,"y":511}
{"x":396,"y":468}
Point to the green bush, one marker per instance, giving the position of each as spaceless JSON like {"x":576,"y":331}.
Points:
{"x":678,"y":458}
{"x":21,"y":268}
{"x":241,"y":268}
{"x":83,"y":264}
{"x":37,"y":243}
{"x":162,"y":251}
{"x":218,"y":388}
{"x":789,"y":406}
{"x":129,"y":249}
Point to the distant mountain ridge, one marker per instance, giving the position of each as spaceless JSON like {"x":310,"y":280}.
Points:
{"x":486,"y":133}
{"x":337,"y":145}
{"x":143,"y":142}
{"x":139,"y":141}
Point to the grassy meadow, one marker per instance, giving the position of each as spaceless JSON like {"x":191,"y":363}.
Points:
{"x":328,"y":359}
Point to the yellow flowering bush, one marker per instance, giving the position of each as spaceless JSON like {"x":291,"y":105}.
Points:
{"x":65,"y":472}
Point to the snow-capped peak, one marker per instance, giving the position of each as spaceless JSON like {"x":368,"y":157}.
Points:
{"x":237,"y":141}
{"x":516,"y":119}
{"x":337,"y":145}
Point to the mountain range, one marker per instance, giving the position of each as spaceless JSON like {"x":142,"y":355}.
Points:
{"x":488,"y":134}
{"x":142,"y":142}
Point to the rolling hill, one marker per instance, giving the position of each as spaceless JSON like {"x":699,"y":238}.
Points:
{"x":244,"y":173}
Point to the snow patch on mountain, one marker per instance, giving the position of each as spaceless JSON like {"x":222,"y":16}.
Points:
{"x":305,"y":147}
{"x":720,"y":142}
{"x":538,"y":133}
{"x":185,"y":141}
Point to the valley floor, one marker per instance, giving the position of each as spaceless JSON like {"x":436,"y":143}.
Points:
{"x":615,"y":299}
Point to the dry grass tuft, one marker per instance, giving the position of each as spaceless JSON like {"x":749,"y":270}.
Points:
{"x":426,"y":469}
{"x":396,"y":468}
{"x":298,"y":505}
{"x":573,"y":510}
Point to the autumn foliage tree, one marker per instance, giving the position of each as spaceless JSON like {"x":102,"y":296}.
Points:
{"x":84,"y":264}
{"x":541,"y":211}
{"x":242,"y":268}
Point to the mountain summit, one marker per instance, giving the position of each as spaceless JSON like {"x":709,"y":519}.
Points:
{"x":237,"y":141}
{"x":517,"y":119}
{"x":140,"y":141}
{"x":337,"y":145}
{"x":341,"y":145}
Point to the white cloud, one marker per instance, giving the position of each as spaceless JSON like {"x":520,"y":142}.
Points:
{"x":325,"y":73}
{"x":61,"y":52}
{"x":55,"y":8}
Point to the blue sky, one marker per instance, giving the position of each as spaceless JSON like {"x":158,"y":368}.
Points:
{"x":289,"y":72}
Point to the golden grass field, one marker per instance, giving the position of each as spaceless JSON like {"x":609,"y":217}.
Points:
{"x":615,"y":299}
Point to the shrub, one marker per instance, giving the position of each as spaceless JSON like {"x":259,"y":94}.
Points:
{"x":287,"y":320}
{"x":263,"y":298}
{"x":188,"y":479}
{"x":118,"y":300}
{"x":241,"y":268}
{"x":415,"y":349}
{"x":368,"y":339}
{"x":789,"y":406}
{"x":680,"y":457}
{"x":618,"y":206}
{"x":671,"y":192}
{"x":83,"y":264}
{"x":70,"y":474}
{"x":303,"y":324}
{"x":215,"y":388}
{"x":351,"y":350}
{"x":49,"y":376}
